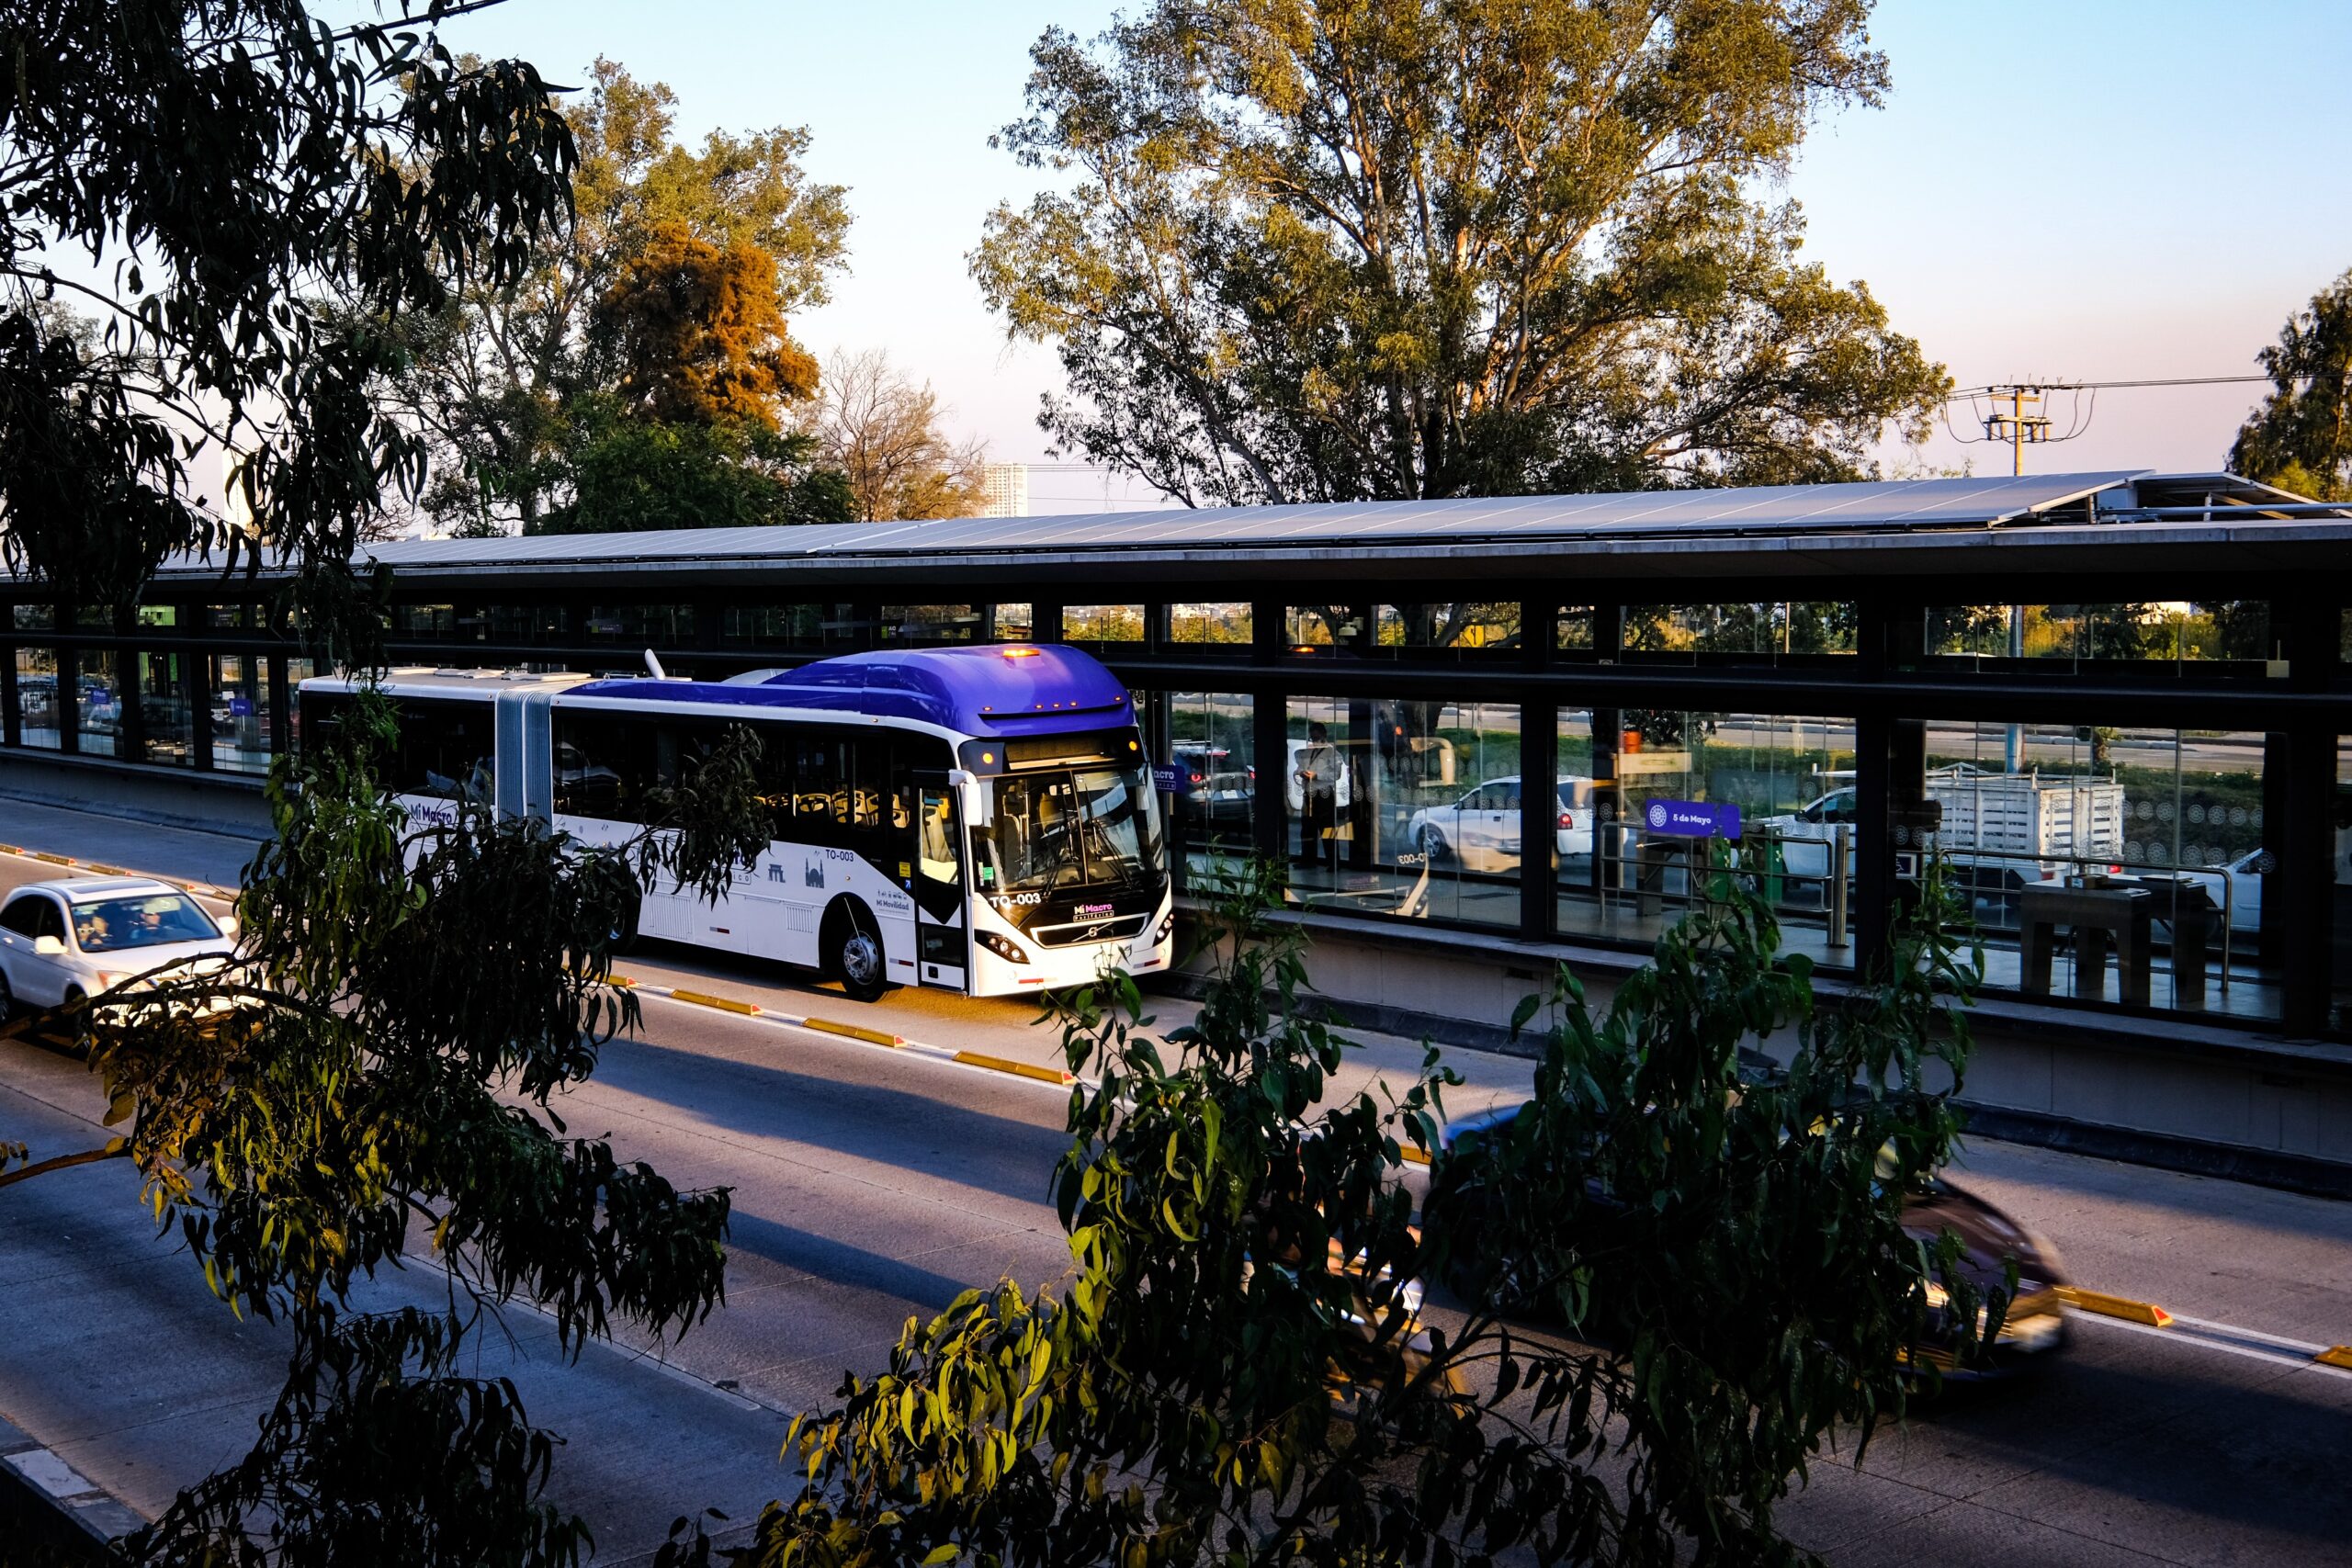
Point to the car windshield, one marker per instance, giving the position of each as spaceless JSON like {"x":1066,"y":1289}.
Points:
{"x":144,"y":920}
{"x":1086,"y":827}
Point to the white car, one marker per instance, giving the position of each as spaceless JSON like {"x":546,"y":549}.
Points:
{"x":1482,"y":828}
{"x":64,"y":940}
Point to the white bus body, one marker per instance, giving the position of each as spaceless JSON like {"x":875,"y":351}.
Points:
{"x":979,"y":819}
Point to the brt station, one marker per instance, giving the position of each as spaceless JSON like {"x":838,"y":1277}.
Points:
{"x":1486,"y":737}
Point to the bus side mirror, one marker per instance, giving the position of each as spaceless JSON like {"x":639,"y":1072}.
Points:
{"x":958,"y":777}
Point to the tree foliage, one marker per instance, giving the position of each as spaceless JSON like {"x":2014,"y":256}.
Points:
{"x":1234,"y":1369}
{"x":881,"y":432}
{"x":695,"y":336}
{"x":495,"y":378}
{"x":204,"y":172}
{"x":628,"y":473}
{"x":2301,"y":439}
{"x":1344,"y":249}
{"x":373,"y":1081}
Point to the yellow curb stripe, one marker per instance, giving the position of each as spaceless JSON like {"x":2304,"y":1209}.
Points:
{"x":2115,"y":1306}
{"x":1413,"y":1154}
{"x":852,"y":1032}
{"x":10,"y":850}
{"x":111,"y":870}
{"x":999,"y":1065}
{"x":623,"y":981}
{"x":53,"y":860}
{"x":725,"y":1004}
{"x":2340,"y":1355}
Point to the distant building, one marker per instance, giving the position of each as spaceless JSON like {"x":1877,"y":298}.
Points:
{"x":1004,"y":490}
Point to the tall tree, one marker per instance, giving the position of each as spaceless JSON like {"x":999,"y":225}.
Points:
{"x":881,"y":431}
{"x":375,"y":1073}
{"x":492,"y":378}
{"x":1338,"y":249}
{"x":2301,"y":439}
{"x":202,"y":172}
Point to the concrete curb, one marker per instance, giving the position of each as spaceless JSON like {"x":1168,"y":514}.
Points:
{"x":54,"y":1506}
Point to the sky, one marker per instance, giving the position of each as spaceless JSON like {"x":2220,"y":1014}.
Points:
{"x":2074,"y":189}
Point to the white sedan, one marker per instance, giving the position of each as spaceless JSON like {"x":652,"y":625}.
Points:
{"x":1482,"y":828}
{"x":61,"y":941}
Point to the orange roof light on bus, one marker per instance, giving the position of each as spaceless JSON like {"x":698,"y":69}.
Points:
{"x":1020,"y":653}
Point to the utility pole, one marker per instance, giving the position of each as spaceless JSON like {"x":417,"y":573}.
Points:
{"x":2020,"y":429}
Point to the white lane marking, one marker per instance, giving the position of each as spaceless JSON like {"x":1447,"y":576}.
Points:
{"x":2226,"y":1338}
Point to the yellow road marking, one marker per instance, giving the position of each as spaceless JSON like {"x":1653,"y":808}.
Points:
{"x":852,"y":1032}
{"x":623,"y":981}
{"x":2115,"y":1306}
{"x":53,"y":860}
{"x":2340,"y":1355}
{"x":725,"y":1004}
{"x":111,"y":870}
{"x":999,"y":1065}
{"x":1413,"y":1154}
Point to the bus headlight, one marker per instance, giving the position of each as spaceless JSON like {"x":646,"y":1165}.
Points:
{"x":1167,"y":924}
{"x":1004,"y":947}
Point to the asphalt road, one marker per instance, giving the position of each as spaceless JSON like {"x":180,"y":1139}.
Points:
{"x":873,"y":1183}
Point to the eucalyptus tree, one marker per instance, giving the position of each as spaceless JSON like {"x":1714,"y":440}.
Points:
{"x":254,"y":202}
{"x":2300,"y":438}
{"x":1328,"y":250}
{"x":1237,"y":1368}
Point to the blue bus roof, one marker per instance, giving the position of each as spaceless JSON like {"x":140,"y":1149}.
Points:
{"x":986,"y":689}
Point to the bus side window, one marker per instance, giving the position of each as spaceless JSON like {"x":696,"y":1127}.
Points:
{"x":773,"y":774}
{"x":818,"y":787}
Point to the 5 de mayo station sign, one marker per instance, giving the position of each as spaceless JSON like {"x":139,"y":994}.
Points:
{"x":1691,"y":818}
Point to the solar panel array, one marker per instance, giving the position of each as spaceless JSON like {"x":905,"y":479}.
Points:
{"x":1775,"y":510}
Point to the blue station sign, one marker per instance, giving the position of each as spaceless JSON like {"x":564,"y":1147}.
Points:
{"x":1171,"y":778}
{"x":1691,"y":818}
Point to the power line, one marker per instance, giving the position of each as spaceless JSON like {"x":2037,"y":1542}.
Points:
{"x":2003,"y":389}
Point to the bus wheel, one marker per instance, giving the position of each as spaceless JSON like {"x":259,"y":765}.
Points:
{"x":625,"y":921}
{"x":853,"y":952}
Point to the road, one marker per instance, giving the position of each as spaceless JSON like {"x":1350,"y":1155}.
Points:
{"x":872,"y":1183}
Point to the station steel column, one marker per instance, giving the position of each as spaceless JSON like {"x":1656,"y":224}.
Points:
{"x":12,"y":725}
{"x":1890,"y":774}
{"x":1539,"y":805}
{"x":2302,"y":889}
{"x":1268,"y":736}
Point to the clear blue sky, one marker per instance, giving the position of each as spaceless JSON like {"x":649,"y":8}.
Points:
{"x":2093,"y":189}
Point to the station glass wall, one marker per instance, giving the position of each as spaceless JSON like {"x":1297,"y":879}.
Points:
{"x":243,"y":722}
{"x":1211,"y":739}
{"x":1395,"y":807}
{"x":98,"y":698}
{"x":38,"y":721}
{"x":2340,"y":883}
{"x":2072,"y":842}
{"x":1627,"y":866}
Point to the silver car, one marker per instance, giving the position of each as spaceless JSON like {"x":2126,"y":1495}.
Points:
{"x":1482,"y":828}
{"x":64,"y":940}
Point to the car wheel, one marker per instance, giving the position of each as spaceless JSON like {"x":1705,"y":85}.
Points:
{"x":1433,"y":845}
{"x":854,"y":951}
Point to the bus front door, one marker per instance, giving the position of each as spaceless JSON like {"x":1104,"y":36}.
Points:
{"x":943,"y":935}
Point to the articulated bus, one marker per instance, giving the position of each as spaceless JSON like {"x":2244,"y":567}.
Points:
{"x":977,"y":818}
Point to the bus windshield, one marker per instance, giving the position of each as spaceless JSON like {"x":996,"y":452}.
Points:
{"x":1082,"y":827}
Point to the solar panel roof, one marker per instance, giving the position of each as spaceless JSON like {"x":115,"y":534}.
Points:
{"x":1776,"y":508}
